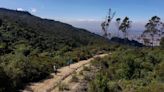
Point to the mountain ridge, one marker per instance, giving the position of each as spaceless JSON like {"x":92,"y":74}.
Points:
{"x":46,"y":28}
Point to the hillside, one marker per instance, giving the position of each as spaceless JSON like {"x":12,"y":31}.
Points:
{"x":30,"y":46}
{"x":126,"y":41}
{"x":43,"y":33}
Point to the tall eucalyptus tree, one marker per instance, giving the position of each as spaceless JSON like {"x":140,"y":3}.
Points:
{"x":125,"y":25}
{"x":105,"y":24}
{"x":153,"y":30}
{"x":118,"y":22}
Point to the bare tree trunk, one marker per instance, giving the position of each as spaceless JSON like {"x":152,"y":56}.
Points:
{"x":118,"y":33}
{"x":152,"y":42}
{"x":127,"y":35}
{"x":124,"y":34}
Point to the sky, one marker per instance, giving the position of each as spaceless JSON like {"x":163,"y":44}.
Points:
{"x":90,"y":13}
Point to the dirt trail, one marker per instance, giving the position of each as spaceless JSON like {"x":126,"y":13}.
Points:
{"x":48,"y":85}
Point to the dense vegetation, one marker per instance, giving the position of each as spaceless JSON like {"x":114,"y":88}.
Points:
{"x":30,"y":46}
{"x":130,"y":70}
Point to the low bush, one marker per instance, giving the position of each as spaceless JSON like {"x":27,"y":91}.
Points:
{"x":63,"y":87}
{"x":74,"y":78}
{"x":132,"y":69}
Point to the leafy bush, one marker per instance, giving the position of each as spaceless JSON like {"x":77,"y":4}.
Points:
{"x":133,"y":69}
{"x":74,"y":78}
{"x":99,"y":84}
{"x":63,"y":87}
{"x":162,"y":42}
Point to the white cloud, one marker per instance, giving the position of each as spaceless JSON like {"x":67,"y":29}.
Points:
{"x":20,"y":9}
{"x":33,"y":10}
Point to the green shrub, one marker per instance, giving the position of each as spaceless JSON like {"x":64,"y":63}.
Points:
{"x":114,"y":87}
{"x":162,"y":42}
{"x":99,"y":84}
{"x":160,"y":72}
{"x":86,"y":68}
{"x":153,"y":87}
{"x":74,"y":78}
{"x":63,"y":87}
